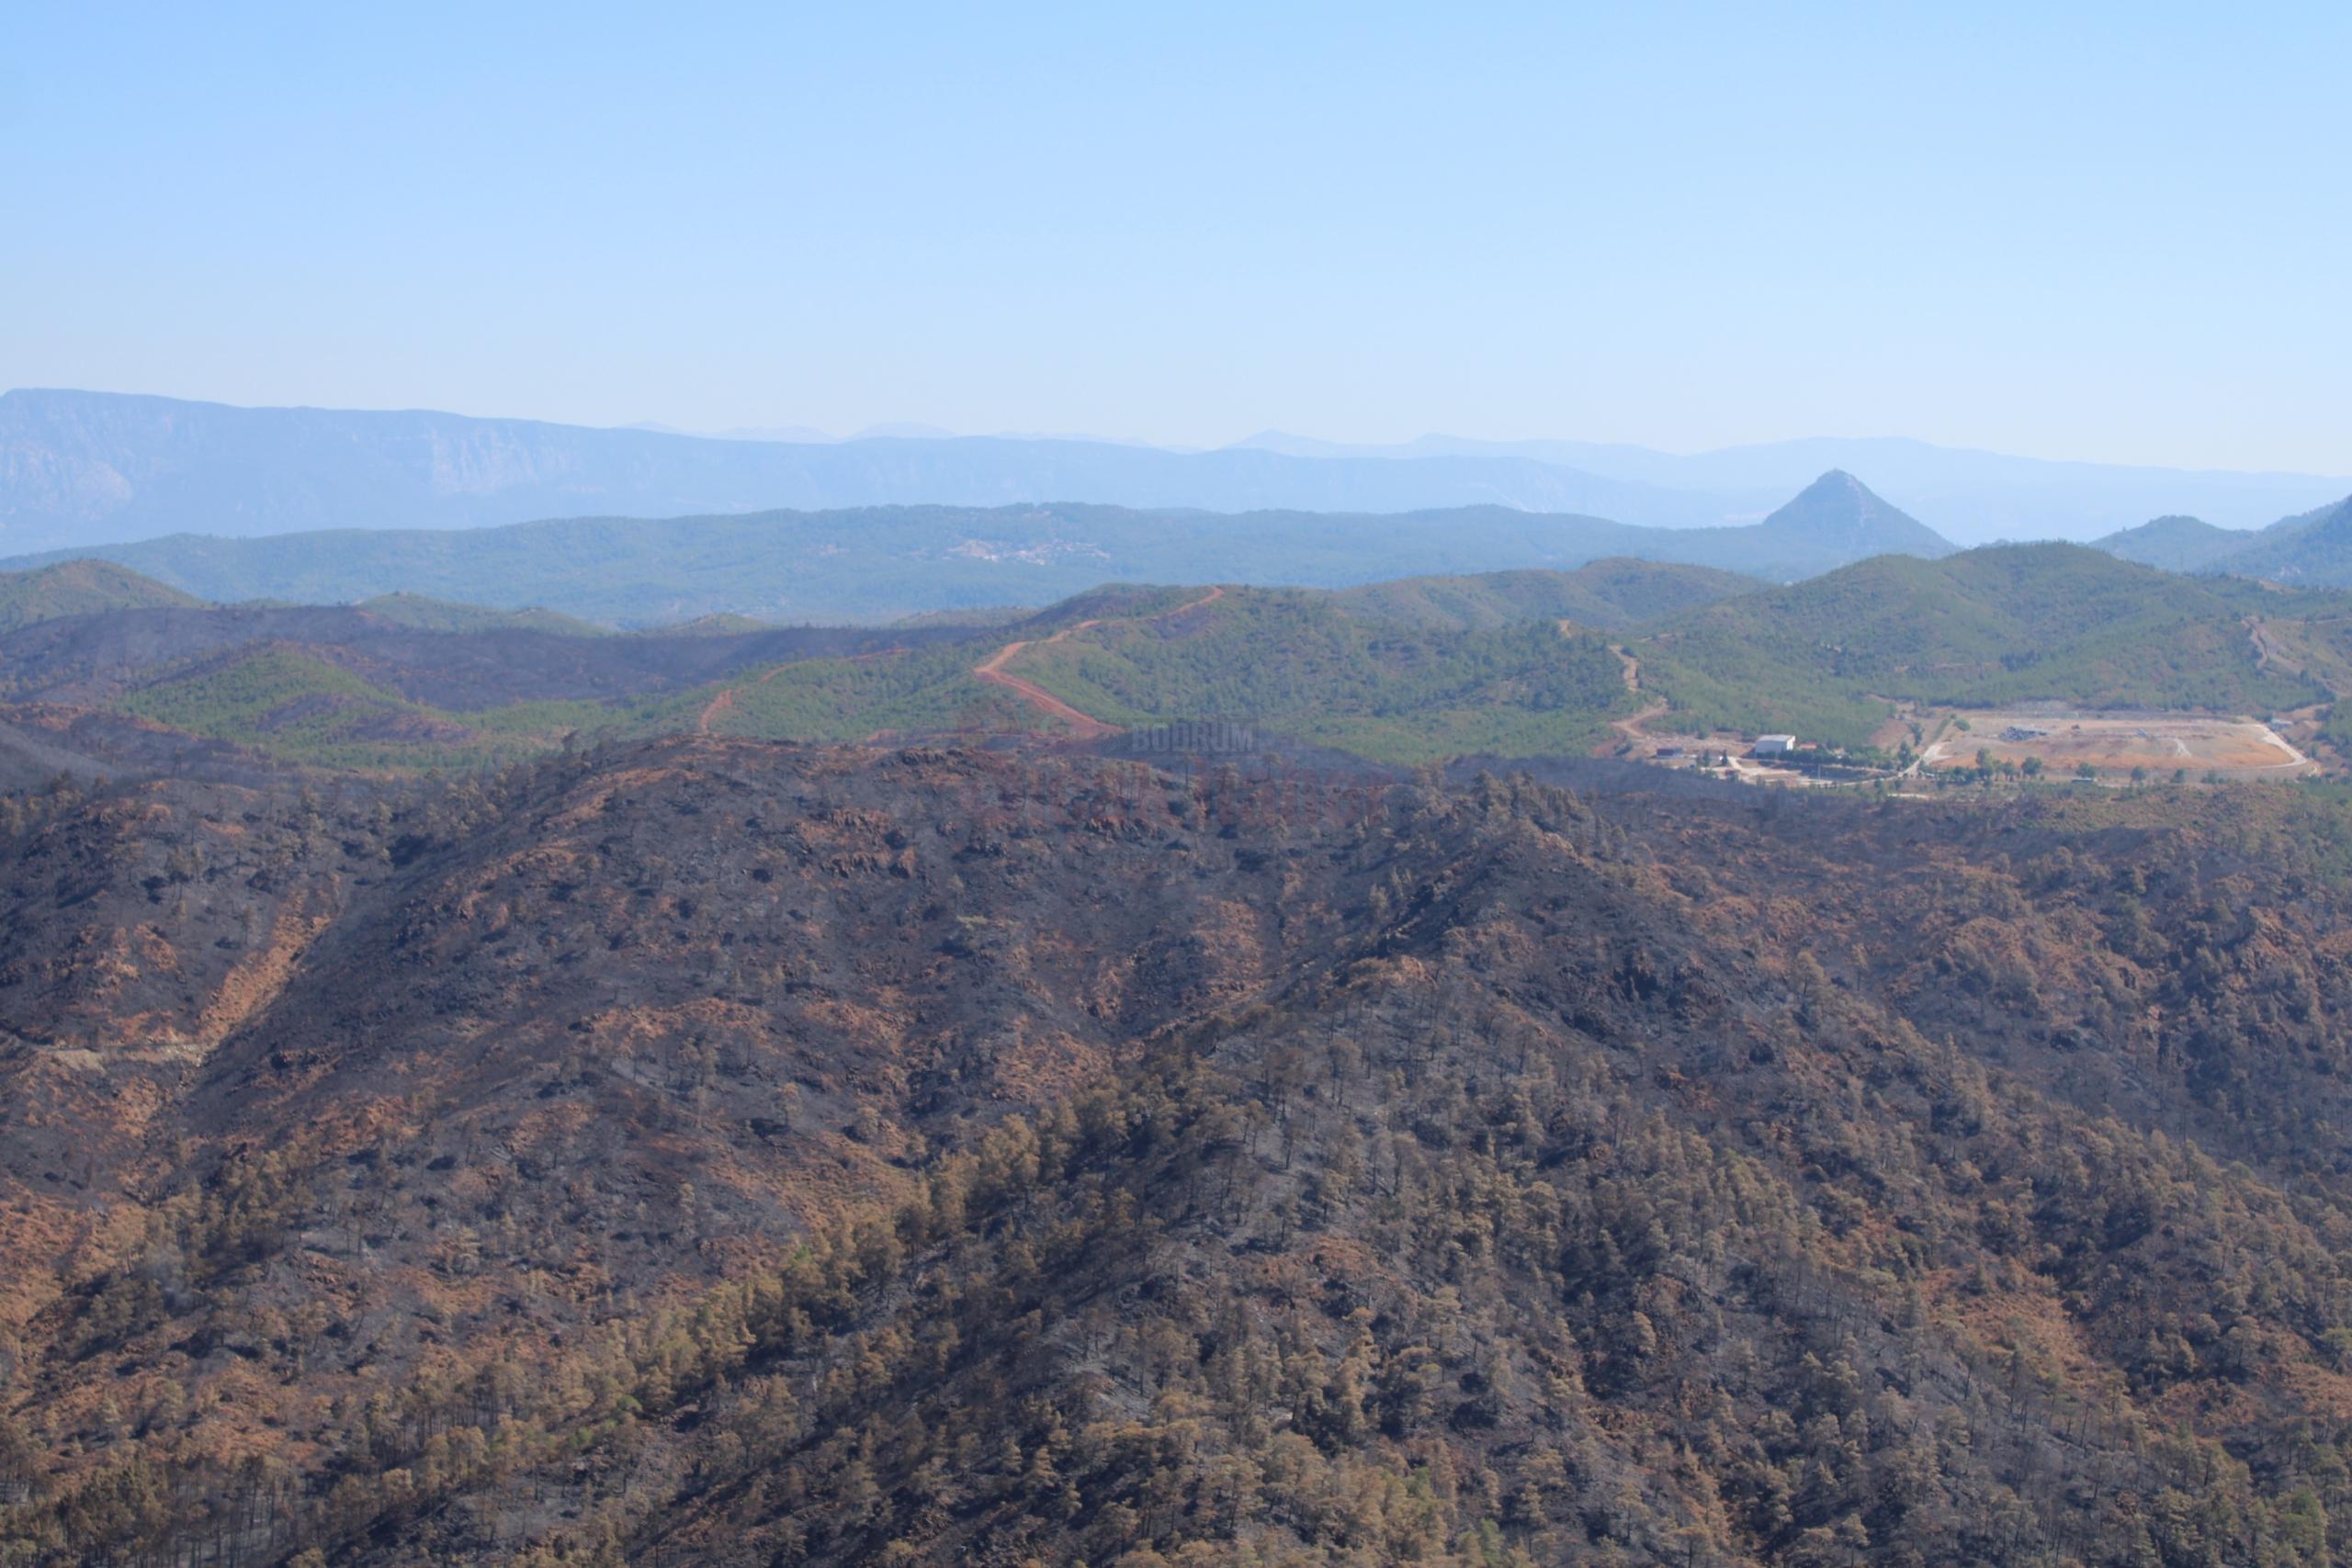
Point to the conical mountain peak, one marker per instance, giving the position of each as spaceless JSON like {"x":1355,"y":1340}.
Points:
{"x":1839,"y":509}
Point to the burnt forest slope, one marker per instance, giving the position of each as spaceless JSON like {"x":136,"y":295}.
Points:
{"x":712,"y":1151}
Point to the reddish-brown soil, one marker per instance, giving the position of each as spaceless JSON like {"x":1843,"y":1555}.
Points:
{"x":1083,"y":726}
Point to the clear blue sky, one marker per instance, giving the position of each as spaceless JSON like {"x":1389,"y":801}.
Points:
{"x":2116,"y":232}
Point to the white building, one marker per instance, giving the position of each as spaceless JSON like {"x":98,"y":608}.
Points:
{"x":1775,"y":745}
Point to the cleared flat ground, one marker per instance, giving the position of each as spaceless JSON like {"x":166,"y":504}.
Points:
{"x":2117,"y":743}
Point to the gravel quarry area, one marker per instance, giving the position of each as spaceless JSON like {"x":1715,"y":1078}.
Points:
{"x":2160,"y":742}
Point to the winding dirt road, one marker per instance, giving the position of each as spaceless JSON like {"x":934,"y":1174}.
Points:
{"x":713,"y":709}
{"x":1630,"y":668}
{"x":1083,"y":726}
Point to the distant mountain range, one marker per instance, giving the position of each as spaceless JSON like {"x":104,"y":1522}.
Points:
{"x":877,"y":563}
{"x":79,"y":469}
{"x":1971,"y":497}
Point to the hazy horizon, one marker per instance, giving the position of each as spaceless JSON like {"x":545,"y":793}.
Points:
{"x":2104,"y":237}
{"x":1296,"y":441}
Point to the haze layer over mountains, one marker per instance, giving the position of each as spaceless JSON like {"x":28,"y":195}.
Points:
{"x":876,"y":563}
{"x":80,"y":469}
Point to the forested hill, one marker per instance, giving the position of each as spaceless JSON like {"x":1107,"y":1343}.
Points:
{"x":723,"y":1152}
{"x":2315,"y":547}
{"x":79,"y":587}
{"x":1605,"y":594}
{"x":2175,"y":544}
{"x":2309,"y":549}
{"x":424,"y":614}
{"x":2010,"y":624}
{"x":1300,"y":667}
{"x":1522,"y":664}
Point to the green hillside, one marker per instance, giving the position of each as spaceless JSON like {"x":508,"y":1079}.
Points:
{"x":1607,"y":595}
{"x":1407,"y":672}
{"x":717,"y":624}
{"x":928,"y":691}
{"x":2175,"y":544}
{"x":80,"y":588}
{"x":2009,"y":623}
{"x":291,"y":705}
{"x":977,"y":616}
{"x":430,"y":615}
{"x":1293,"y":664}
{"x":2313,"y":548}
